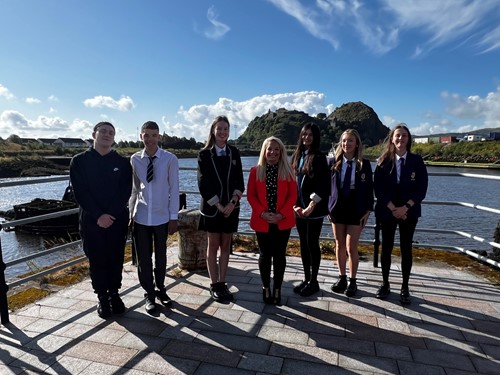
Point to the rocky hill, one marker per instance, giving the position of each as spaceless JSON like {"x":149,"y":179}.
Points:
{"x":286,"y":125}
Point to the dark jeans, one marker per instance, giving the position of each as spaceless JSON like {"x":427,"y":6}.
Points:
{"x":406,"y":231}
{"x":310,"y":252}
{"x":272,"y":248}
{"x":105,"y":249}
{"x":144,"y":238}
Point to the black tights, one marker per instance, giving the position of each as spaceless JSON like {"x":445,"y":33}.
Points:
{"x":310,"y":252}
{"x":406,"y":231}
{"x":272,"y":247}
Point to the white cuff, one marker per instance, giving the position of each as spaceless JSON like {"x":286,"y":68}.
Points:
{"x":315,"y":197}
{"x":213,"y":201}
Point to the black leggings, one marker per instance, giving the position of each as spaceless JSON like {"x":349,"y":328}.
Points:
{"x":310,"y":252}
{"x":406,"y":231}
{"x":272,"y":247}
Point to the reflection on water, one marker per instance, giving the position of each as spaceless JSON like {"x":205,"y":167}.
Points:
{"x":441,"y":188}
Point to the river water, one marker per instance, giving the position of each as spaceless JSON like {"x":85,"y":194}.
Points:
{"x":481,"y":192}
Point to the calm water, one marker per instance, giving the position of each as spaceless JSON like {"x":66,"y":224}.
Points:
{"x":476,"y":191}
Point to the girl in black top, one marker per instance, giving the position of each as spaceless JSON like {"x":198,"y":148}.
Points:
{"x":354,"y":185}
{"x":221,"y":185}
{"x":313,"y":186}
{"x":400,"y":186}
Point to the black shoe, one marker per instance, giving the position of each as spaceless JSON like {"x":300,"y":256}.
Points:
{"x":277,"y":297}
{"x":384,"y":291}
{"x":405,"y":297}
{"x":311,"y":288}
{"x":103,"y":307}
{"x":340,"y":285}
{"x":352,"y":288}
{"x":116,"y":303}
{"x":216,"y":292}
{"x":226,"y":294}
{"x":150,"y":304}
{"x":163,"y":297}
{"x":301,"y":286}
{"x":266,"y":296}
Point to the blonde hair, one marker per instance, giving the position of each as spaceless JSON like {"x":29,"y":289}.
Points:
{"x":285,"y":171}
{"x":358,"y":153}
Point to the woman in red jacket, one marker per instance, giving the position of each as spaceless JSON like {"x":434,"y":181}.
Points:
{"x":272,"y":192}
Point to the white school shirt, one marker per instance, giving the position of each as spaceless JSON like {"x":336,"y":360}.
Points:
{"x":155,"y":202}
{"x":353,"y":171}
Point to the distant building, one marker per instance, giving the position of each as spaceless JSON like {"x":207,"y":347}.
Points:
{"x":494,"y":136}
{"x":70,"y":142}
{"x":46,"y":141}
{"x":421,"y":140}
{"x":473,"y":137}
{"x":25,"y":141}
{"x":447,"y":139}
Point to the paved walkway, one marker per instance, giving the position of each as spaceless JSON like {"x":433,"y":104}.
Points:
{"x":451,"y":328}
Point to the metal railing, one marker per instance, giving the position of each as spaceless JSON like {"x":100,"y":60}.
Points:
{"x":4,"y":287}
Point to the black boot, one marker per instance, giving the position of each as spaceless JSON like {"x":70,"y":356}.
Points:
{"x":352,"y":288}
{"x":103,"y":307}
{"x":116,"y":303}
{"x":340,"y":285}
{"x":277,"y":297}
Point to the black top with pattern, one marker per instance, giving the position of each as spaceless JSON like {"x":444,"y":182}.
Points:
{"x":271,"y":186}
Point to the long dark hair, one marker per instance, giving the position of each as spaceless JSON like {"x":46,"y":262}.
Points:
{"x":389,"y":150}
{"x":313,"y":150}
{"x":211,"y":136}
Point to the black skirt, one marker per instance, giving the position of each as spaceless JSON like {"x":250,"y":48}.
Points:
{"x":219,"y":223}
{"x":344,"y":211}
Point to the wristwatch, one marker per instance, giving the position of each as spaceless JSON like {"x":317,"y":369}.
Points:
{"x":408,"y":206}
{"x":234,"y":201}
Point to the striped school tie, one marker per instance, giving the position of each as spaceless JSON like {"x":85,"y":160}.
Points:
{"x":149,"y":173}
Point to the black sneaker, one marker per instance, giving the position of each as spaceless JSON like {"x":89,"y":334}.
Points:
{"x":163,"y":297}
{"x":216,"y":292}
{"x":227,"y":295}
{"x":297,"y":289}
{"x":150,"y":304}
{"x":352,"y":288}
{"x":103,"y":307}
{"x":311,"y":288}
{"x":340,"y":285}
{"x":384,"y":291}
{"x":116,"y":303}
{"x":405,"y":297}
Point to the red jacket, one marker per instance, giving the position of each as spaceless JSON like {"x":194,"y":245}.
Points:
{"x":286,"y":198}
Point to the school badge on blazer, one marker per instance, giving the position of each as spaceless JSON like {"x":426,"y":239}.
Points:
{"x":363,"y":177}
{"x":412,"y":177}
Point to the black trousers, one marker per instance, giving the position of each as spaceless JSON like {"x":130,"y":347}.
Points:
{"x":310,"y":251}
{"x":272,"y":248}
{"x":105,"y":249}
{"x":406,"y":231}
{"x":149,"y":239}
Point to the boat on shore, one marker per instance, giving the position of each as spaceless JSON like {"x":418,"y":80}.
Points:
{"x":59,"y":226}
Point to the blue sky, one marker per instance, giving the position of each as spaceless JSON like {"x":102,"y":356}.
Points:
{"x":66,"y":65}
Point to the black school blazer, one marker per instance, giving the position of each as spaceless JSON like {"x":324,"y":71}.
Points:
{"x":413,"y":185}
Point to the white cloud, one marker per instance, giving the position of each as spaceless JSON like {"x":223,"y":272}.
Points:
{"x":33,"y":101}
{"x":217,"y":29}
{"x":381,"y":25}
{"x":124,"y":104}
{"x":5,"y":92}
{"x":195,"y":121}
{"x":317,"y":20}
{"x":53,"y":98}
{"x":475,"y":107}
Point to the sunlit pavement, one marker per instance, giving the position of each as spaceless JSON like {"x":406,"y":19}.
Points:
{"x":452,"y":327}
